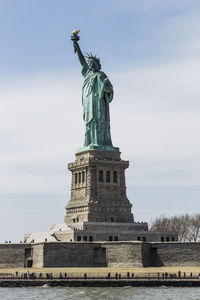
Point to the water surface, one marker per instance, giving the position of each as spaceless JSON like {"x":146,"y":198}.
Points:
{"x":87,"y":293}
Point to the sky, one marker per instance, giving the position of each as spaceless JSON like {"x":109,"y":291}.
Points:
{"x":150,"y":51}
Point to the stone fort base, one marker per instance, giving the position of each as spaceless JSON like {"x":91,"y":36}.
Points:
{"x":101,"y":254}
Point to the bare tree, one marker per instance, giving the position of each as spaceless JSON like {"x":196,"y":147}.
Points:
{"x":161,"y":223}
{"x":194,"y":228}
{"x":186,"y":226}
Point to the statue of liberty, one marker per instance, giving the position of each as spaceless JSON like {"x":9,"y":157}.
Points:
{"x":97,"y":93}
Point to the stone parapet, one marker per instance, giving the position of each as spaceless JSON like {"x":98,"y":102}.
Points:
{"x":113,"y":231}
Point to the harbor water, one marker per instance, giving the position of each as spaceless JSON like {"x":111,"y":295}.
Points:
{"x":87,"y":293}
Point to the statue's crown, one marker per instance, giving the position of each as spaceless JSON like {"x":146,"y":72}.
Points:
{"x":91,"y":56}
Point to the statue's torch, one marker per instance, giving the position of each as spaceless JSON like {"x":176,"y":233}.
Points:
{"x":75,"y":37}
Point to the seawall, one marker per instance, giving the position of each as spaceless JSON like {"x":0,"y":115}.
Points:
{"x":99,"y":282}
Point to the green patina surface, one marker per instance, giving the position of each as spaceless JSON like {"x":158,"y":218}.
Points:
{"x":103,"y":148}
{"x":97,"y":93}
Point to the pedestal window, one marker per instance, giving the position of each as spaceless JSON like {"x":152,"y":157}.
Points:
{"x":100,"y":176}
{"x":79,"y":177}
{"x":83,"y":177}
{"x":76,"y":179}
{"x":115,"y":177}
{"x":107,"y":176}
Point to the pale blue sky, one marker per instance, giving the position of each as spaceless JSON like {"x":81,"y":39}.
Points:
{"x":150,"y":51}
{"x":126,"y":32}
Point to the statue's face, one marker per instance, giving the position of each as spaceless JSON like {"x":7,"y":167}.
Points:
{"x":93,"y":65}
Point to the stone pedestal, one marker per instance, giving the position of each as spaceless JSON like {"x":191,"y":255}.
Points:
{"x":98,"y":189}
{"x":98,"y":209}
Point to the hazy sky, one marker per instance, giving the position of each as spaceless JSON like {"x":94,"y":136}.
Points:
{"x":150,"y":51}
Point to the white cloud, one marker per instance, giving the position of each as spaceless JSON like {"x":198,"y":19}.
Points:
{"x":160,"y":124}
{"x":154,"y":119}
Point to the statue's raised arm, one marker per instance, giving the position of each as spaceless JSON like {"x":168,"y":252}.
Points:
{"x":97,"y":93}
{"x":77,"y":49}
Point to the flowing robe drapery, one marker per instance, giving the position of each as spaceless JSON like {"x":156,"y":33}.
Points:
{"x":97,"y":93}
